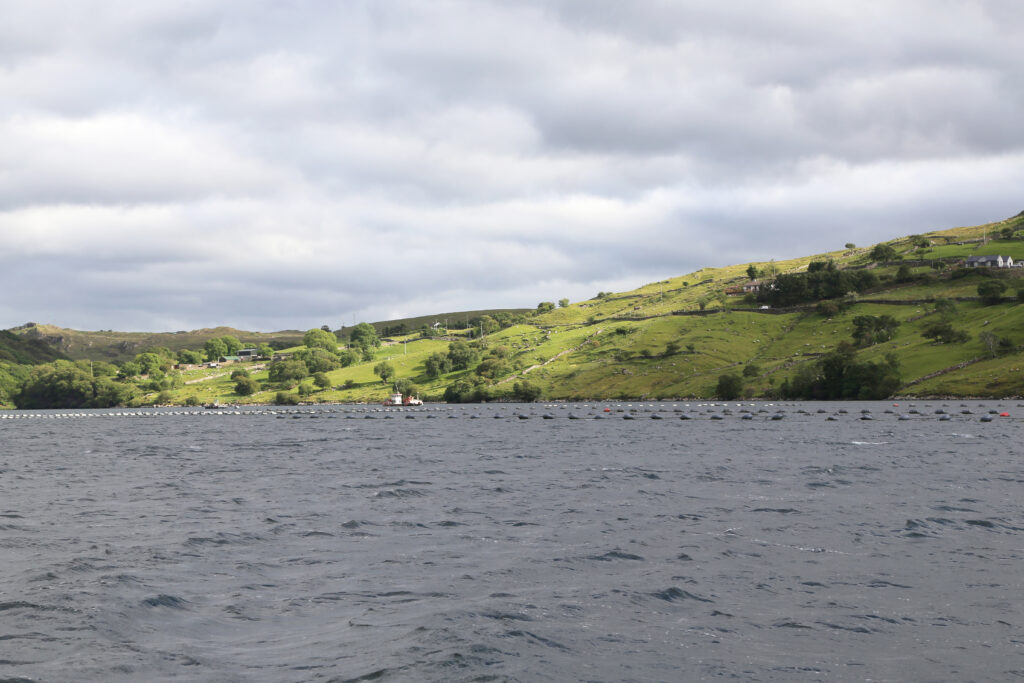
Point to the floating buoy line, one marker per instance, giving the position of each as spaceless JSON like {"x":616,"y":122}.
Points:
{"x":627,"y":411}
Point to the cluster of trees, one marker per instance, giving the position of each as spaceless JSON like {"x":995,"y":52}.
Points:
{"x":460,"y":356}
{"x":823,"y":280}
{"x":838,"y":375}
{"x":67,"y":384}
{"x":321,"y":355}
{"x":871,"y":329}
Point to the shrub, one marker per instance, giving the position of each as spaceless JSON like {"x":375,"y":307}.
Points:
{"x":283,"y":398}
{"x":944,"y":333}
{"x":730,"y":386}
{"x":246,"y":386}
{"x":239,"y":372}
{"x":321,"y":380}
{"x":525,"y":391}
{"x":991,"y":291}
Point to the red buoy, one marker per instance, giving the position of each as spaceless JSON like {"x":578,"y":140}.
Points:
{"x":1004,"y":415}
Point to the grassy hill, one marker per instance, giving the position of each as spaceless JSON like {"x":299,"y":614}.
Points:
{"x":26,"y":351}
{"x":111,"y":346}
{"x":675,"y":338}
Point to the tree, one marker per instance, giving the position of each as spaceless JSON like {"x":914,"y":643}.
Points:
{"x":239,"y":372}
{"x":232,"y":344}
{"x":215,"y":348}
{"x":384,"y":370}
{"x":493,"y":368}
{"x":870,"y":329}
{"x":882,"y":253}
{"x":562,"y":303}
{"x":467,"y":391}
{"x":364,"y":336}
{"x":321,"y":380}
{"x":190,"y":357}
{"x":405,"y":387}
{"x":526,"y":391}
{"x":347,"y":358}
{"x":317,"y":338}
{"x":317,"y":359}
{"x":461,"y":355}
{"x":850,"y":245}
{"x":265,"y":350}
{"x":838,"y":375}
{"x":991,"y":291}
{"x":730,"y":386}
{"x":128,"y":370}
{"x":437,"y":364}
{"x":751,"y":370}
{"x":945,"y":308}
{"x":944,"y":333}
{"x":287,"y":371}
{"x":305,"y":389}
{"x":1007,"y":233}
{"x":246,"y":386}
{"x":62,"y":384}
{"x":545,"y":307}
{"x":752,"y":271}
{"x":148,"y":363}
{"x":283,"y":398}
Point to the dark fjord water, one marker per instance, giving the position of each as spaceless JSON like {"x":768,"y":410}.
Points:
{"x":467,"y":544}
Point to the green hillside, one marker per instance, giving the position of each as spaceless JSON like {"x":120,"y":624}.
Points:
{"x":677,"y":338}
{"x":107,"y":345}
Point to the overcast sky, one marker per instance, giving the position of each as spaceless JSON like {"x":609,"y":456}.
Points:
{"x":274,"y":164}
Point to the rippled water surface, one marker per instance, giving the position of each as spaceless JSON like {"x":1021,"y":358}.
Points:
{"x":466,"y":543}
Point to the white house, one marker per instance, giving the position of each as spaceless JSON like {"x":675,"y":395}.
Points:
{"x":989,"y":262}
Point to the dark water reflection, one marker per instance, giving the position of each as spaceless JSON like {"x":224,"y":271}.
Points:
{"x":348,"y":543}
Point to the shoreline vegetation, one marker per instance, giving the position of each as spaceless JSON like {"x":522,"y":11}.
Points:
{"x":907,"y":319}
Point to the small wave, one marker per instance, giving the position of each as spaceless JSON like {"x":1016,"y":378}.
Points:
{"x":869,"y":443}
{"x":538,"y":639}
{"x":674,"y":594}
{"x":399,"y":493}
{"x":163,"y":600}
{"x":506,"y":616}
{"x":615,"y":555}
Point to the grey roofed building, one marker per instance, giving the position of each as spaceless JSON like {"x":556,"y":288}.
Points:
{"x":990,"y":261}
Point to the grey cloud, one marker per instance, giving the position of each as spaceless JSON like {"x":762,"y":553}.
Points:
{"x":296,"y":159}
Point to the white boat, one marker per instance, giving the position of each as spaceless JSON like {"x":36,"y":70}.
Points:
{"x":397,"y":400}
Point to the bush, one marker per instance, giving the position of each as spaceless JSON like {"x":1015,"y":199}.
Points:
{"x":163,"y":398}
{"x":239,"y":372}
{"x":525,"y":391}
{"x":991,"y":291}
{"x":246,"y":386}
{"x":191,"y":401}
{"x":285,"y":370}
{"x":283,"y":398}
{"x":944,"y":333}
{"x":321,"y":380}
{"x":729,"y":387}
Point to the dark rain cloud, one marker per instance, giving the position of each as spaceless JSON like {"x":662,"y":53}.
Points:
{"x":270,"y":165}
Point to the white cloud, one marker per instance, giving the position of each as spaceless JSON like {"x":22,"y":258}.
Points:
{"x":305,"y":161}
